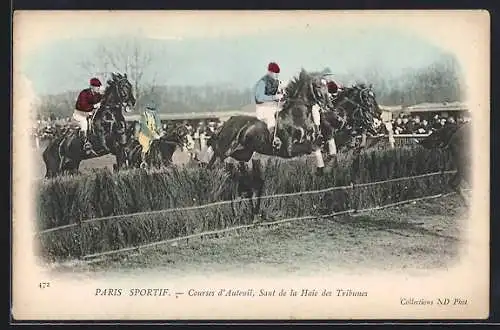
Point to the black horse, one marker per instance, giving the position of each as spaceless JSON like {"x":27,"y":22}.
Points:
{"x":456,"y":139}
{"x":161,"y":150}
{"x":242,"y":136}
{"x":106,"y":132}
{"x":354,"y":110}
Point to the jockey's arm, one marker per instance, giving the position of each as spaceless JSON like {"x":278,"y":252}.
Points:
{"x":145,"y":129}
{"x":260,"y":93}
{"x":158,"y":125}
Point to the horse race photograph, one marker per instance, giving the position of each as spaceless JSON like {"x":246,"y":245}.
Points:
{"x":236,"y":164}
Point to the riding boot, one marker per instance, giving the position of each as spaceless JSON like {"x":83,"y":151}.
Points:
{"x":143,"y":160}
{"x":275,"y":140}
{"x":353,"y":138}
{"x":318,"y":134}
{"x":87,"y":146}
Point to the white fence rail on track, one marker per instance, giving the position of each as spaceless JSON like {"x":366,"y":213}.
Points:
{"x":88,"y":257}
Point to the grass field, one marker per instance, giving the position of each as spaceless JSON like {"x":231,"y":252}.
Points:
{"x":414,"y":238}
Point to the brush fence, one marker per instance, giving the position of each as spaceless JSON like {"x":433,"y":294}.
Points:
{"x":109,"y":235}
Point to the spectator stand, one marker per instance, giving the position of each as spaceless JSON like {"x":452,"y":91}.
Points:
{"x":418,"y":121}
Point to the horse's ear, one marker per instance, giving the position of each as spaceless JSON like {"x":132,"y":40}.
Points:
{"x":302,"y":74}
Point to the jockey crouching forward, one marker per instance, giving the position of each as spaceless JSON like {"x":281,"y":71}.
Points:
{"x":148,"y":130}
{"x":267,"y":97}
{"x":318,"y":111}
{"x":88,"y":101}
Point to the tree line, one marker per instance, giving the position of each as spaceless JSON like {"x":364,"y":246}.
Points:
{"x":441,"y":81}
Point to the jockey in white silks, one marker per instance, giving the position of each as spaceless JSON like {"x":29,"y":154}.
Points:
{"x":267,"y":98}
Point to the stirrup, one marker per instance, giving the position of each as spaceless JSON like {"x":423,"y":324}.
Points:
{"x":143,"y":165}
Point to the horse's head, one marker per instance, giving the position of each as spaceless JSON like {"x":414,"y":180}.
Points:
{"x":179,"y":134}
{"x":118,"y":97}
{"x":360,"y":102}
{"x":303,"y":92}
{"x":122,"y":91}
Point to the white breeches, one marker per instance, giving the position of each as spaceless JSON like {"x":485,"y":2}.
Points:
{"x":81,"y":118}
{"x":316,"y":114}
{"x":266,"y":112}
{"x":332,"y":147}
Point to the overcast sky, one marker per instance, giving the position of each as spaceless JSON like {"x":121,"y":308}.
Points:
{"x":234,"y":59}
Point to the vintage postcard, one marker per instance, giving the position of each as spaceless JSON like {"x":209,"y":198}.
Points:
{"x":174,"y":165}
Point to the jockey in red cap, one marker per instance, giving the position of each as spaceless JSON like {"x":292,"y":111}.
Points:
{"x":88,"y":100}
{"x":267,"y":96}
{"x":333,"y":89}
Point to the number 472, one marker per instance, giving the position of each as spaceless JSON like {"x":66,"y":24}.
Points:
{"x":44,"y":285}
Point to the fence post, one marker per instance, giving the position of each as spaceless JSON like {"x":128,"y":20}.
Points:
{"x":80,"y":238}
{"x":388,"y":126}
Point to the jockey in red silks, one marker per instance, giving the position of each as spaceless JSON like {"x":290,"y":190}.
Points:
{"x":267,"y":97}
{"x":333,"y":89}
{"x":88,"y":100}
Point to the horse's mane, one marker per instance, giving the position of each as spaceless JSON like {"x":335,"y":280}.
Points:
{"x":297,"y":84}
{"x":295,"y":89}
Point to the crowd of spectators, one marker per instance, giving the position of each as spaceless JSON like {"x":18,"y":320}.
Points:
{"x":202,"y":129}
{"x":414,"y":124}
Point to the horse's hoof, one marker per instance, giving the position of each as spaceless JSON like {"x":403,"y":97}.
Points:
{"x":320,"y":171}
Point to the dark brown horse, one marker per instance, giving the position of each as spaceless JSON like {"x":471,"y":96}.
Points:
{"x":242,"y":136}
{"x":107,"y":133}
{"x":354,"y":110}
{"x":161,"y":150}
{"x":456,"y":139}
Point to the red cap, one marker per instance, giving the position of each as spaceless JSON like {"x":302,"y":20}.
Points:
{"x":273,"y":67}
{"x":95,"y":82}
{"x":332,"y":87}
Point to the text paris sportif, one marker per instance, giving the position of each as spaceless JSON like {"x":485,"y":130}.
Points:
{"x":230,"y":292}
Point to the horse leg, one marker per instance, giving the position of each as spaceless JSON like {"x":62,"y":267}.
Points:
{"x":120,"y":158}
{"x":455,"y":182}
{"x":51,"y":163}
{"x":363,"y":140}
{"x":212,"y":161}
{"x":258,"y":181}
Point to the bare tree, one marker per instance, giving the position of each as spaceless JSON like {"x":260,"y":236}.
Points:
{"x":124,"y":56}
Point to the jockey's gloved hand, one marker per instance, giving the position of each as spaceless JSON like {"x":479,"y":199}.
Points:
{"x":97,"y":105}
{"x":278,"y":97}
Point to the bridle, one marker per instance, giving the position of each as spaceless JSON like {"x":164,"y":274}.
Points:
{"x":358,"y":107}
{"x":122,"y":104}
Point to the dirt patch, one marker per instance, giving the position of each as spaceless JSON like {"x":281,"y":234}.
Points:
{"x":411,"y":238}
